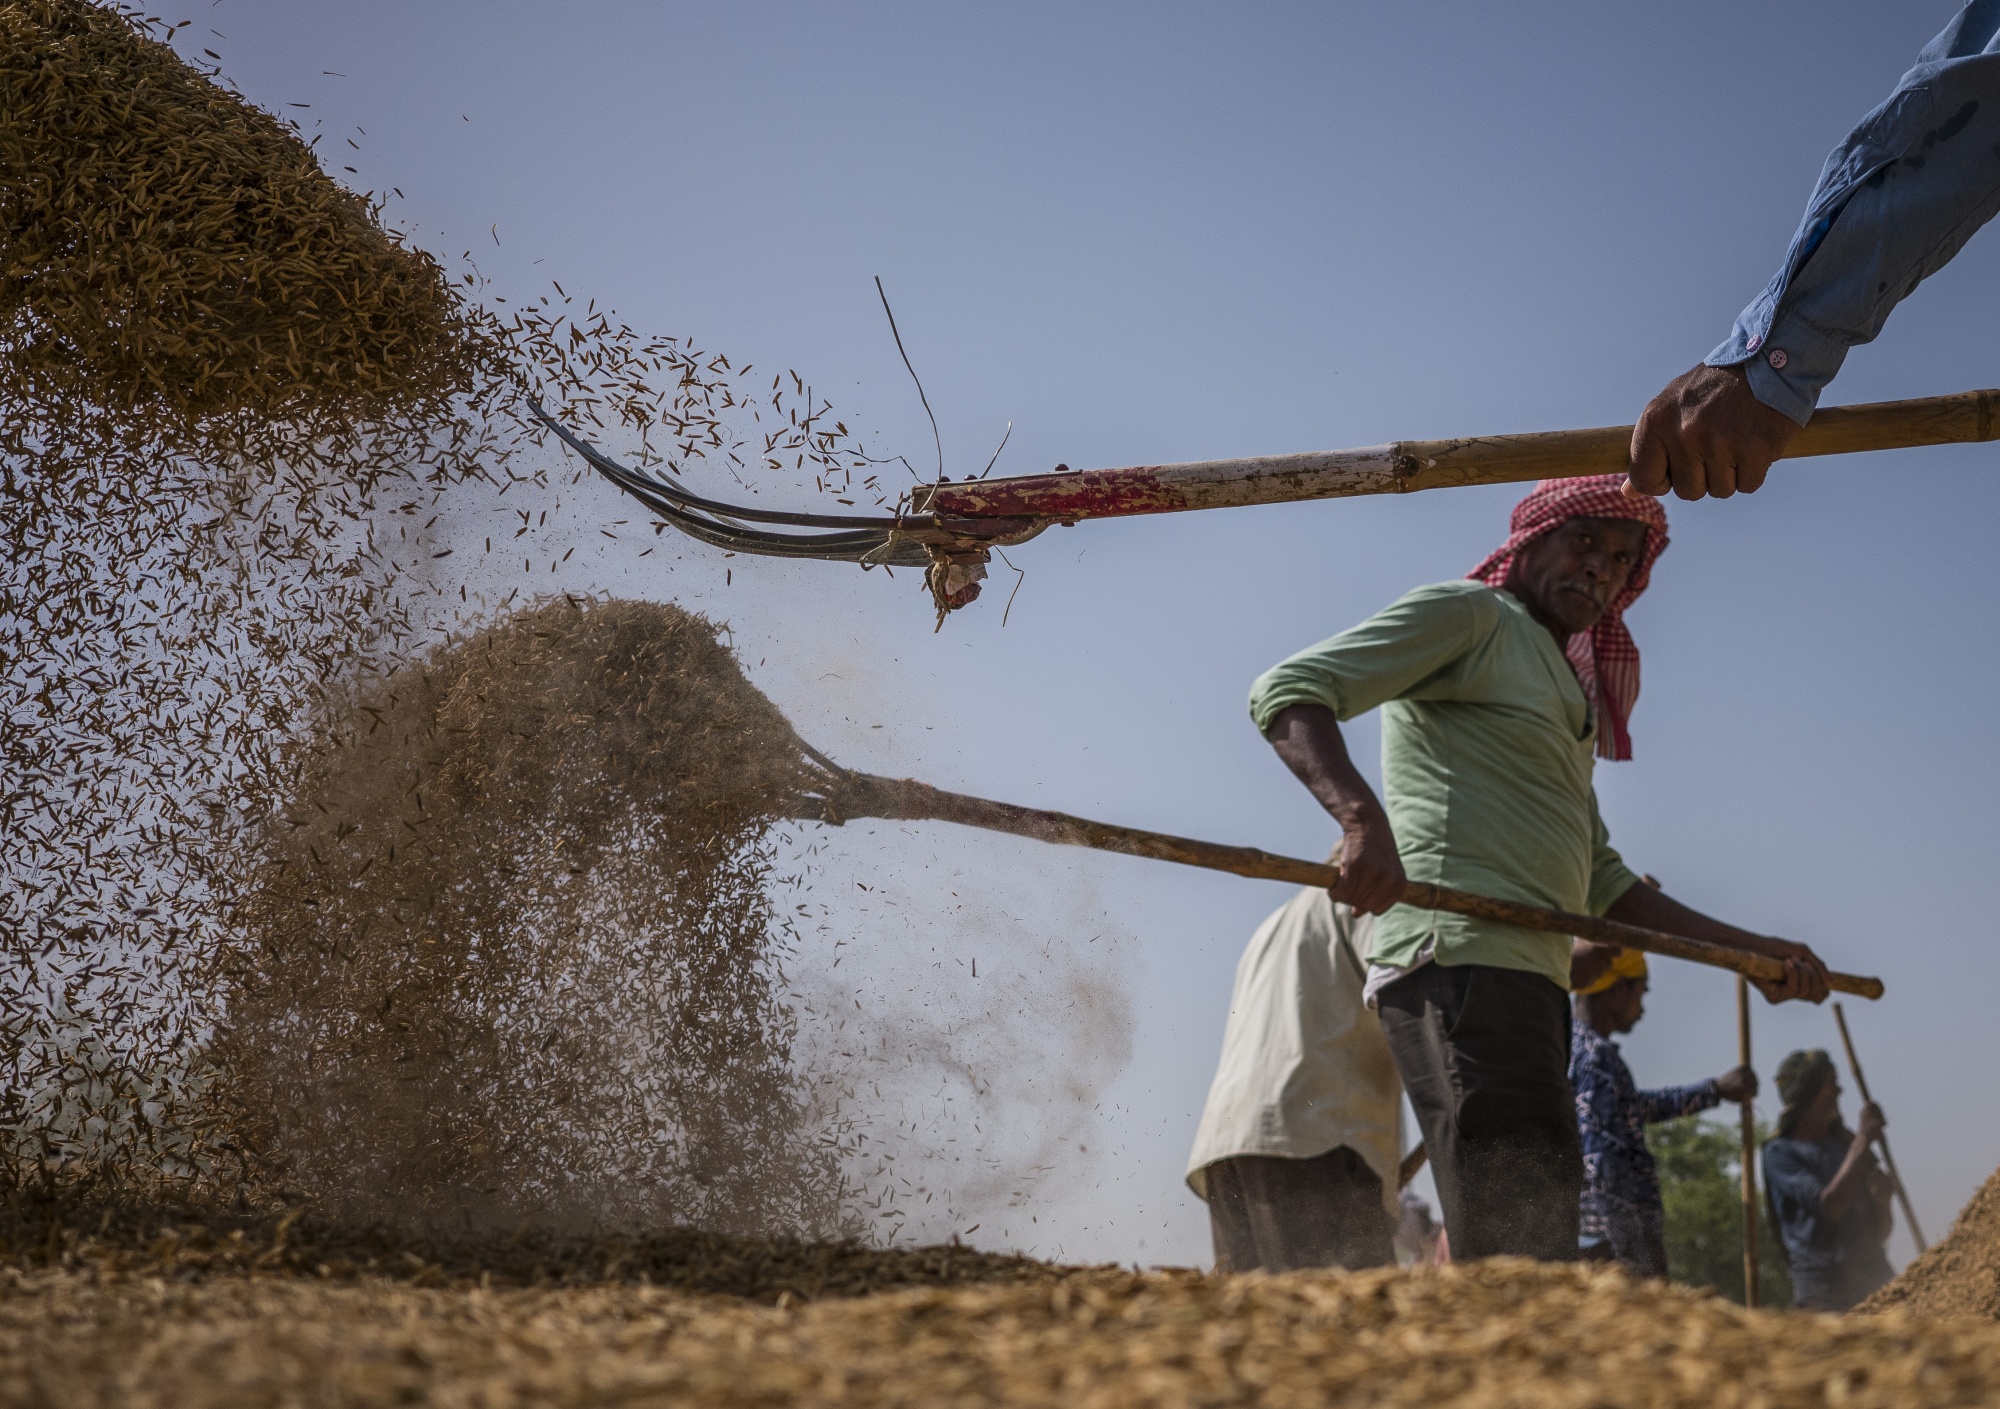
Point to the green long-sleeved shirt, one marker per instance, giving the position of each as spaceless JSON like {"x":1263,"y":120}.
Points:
{"x":1486,"y":767}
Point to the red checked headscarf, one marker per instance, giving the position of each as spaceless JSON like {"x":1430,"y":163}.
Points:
{"x":1605,"y":658}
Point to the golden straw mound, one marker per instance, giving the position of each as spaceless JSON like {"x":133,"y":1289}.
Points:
{"x":1959,"y":1276}
{"x":1499,"y":1333}
{"x":176,"y":256}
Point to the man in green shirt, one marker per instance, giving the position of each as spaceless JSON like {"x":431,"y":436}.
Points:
{"x":1495,"y":693}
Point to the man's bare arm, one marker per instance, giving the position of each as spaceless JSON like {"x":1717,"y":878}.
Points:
{"x":1853,"y":1175}
{"x":1805,"y":975}
{"x":1307,"y":737}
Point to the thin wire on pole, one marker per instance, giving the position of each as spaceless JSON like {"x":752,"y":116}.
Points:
{"x":938,"y":439}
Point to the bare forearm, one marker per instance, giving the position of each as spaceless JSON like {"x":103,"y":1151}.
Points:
{"x":1655,"y":910}
{"x":1307,"y":737}
{"x":1805,"y":975}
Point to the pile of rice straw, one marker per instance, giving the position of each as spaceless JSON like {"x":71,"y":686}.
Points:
{"x":738,"y":1325}
{"x":175,"y":265}
{"x":1959,"y":1276}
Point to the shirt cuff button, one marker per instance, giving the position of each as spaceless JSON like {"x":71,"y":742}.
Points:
{"x":1776,"y":357}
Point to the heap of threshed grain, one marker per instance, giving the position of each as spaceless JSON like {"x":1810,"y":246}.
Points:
{"x":1959,"y":1276}
{"x":285,"y":1316}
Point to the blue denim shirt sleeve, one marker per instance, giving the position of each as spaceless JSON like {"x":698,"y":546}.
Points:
{"x":1894,"y":203}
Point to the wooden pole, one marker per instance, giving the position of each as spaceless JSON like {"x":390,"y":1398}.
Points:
{"x":1404,"y":466}
{"x":864,"y":795}
{"x":1750,"y":1260}
{"x":1882,"y":1140}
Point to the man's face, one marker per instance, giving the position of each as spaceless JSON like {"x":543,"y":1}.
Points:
{"x":1568,"y":576}
{"x":1627,"y":1001}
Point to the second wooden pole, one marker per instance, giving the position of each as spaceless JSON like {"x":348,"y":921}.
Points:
{"x":1750,"y":1258}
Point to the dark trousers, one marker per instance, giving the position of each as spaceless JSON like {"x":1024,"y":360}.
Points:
{"x":1484,"y":1055}
{"x":1280,"y":1214}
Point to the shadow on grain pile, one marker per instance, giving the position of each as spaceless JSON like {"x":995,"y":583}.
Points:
{"x":510,"y":952}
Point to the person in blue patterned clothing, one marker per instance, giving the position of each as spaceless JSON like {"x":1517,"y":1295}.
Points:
{"x":1622,"y":1216}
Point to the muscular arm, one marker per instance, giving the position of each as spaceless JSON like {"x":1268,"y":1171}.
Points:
{"x":1805,"y":975}
{"x":1307,"y":737}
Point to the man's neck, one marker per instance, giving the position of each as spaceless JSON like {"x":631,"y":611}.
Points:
{"x":1543,"y":619}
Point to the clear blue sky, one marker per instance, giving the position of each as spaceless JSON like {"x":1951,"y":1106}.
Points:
{"x":1168,"y":232}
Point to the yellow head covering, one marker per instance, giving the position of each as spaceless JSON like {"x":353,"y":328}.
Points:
{"x":1629,"y":963}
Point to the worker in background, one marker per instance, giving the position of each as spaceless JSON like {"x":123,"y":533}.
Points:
{"x":1496,"y":691}
{"x":1299,"y":1144}
{"x":1894,"y":203}
{"x":1622,"y":1216}
{"x":1830,"y":1202}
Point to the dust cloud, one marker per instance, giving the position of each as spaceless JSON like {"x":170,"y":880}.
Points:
{"x":509,"y":951}
{"x":533,"y":940}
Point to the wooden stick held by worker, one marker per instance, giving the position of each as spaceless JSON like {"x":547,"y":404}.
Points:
{"x":1749,"y":1150}
{"x":852,"y":795}
{"x":1881,"y":1141}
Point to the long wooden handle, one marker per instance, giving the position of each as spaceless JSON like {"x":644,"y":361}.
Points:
{"x":1835,"y":430}
{"x":863,"y":795}
{"x":1882,"y":1140}
{"x":1751,"y":1289}
{"x":1403,"y":466}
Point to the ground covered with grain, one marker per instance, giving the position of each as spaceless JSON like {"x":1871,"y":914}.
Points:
{"x":125,"y":1311}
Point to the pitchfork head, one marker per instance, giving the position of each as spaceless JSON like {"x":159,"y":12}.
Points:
{"x":952,"y":551}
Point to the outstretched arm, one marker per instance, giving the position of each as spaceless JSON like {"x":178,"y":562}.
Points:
{"x":1307,"y":737}
{"x":1895,"y":201}
{"x":1805,"y":974}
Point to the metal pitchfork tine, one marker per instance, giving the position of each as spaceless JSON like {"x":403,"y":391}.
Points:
{"x":953,"y":552}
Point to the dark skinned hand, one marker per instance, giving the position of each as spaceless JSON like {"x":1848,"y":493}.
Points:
{"x":1371,"y":870}
{"x":1706,"y":433}
{"x":1737,"y":1084}
{"x":1805,"y":977}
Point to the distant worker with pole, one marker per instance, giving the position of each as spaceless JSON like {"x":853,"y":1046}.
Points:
{"x":1496,"y":691}
{"x":1830,"y":1202}
{"x":1623,"y":1217}
{"x":1895,"y":202}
